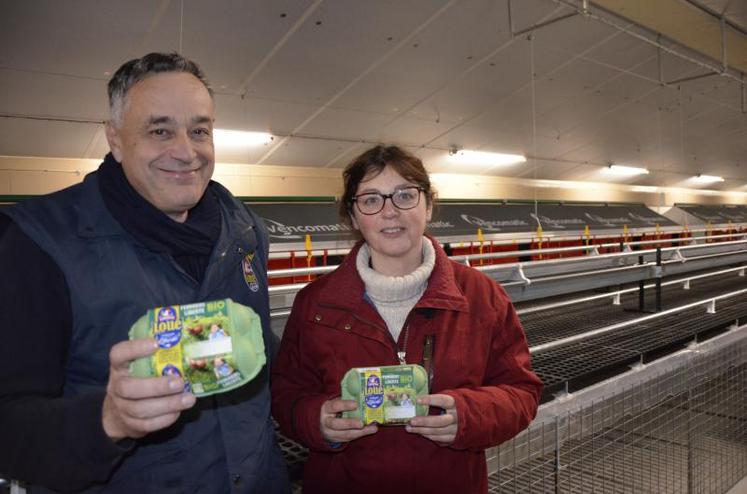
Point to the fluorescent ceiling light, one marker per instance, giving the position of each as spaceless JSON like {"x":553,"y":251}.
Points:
{"x":645,"y":188}
{"x":627,"y":170}
{"x":707,"y":179}
{"x":467,"y":157}
{"x":238,"y":138}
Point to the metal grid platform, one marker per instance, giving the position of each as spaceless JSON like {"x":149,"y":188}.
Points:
{"x":542,"y":327}
{"x":295,"y":457}
{"x":579,"y":364}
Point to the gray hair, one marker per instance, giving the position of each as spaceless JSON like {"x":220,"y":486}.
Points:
{"x":138,"y":69}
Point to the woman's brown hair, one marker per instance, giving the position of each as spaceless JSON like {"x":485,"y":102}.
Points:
{"x":371,"y":163}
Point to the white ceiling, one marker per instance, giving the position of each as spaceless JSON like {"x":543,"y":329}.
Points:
{"x":330,"y":77}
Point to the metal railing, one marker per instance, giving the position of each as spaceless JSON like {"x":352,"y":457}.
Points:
{"x":540,"y":279}
{"x":710,"y":304}
{"x":317,"y":270}
{"x":615,"y":295}
{"x":504,"y":239}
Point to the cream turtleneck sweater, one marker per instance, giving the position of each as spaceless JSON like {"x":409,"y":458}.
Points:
{"x":395,"y":296}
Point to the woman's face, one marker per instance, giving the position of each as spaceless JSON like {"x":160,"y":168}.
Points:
{"x":393,"y":235}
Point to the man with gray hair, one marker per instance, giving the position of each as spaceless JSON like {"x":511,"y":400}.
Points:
{"x":80,"y":266}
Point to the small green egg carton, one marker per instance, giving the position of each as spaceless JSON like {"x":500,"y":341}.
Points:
{"x":385,"y":395}
{"x":215,"y":346}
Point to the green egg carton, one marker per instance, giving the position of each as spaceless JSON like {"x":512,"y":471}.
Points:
{"x":385,"y":395}
{"x":215,"y":346}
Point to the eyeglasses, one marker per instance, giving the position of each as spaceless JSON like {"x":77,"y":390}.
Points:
{"x":373,"y":202}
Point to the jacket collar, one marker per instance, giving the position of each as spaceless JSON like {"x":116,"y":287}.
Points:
{"x":442,"y":292}
{"x":94,"y":218}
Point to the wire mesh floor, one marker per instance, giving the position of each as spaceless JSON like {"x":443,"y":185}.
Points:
{"x":685,"y":431}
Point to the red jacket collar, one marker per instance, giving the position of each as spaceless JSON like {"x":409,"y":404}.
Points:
{"x":345,"y":287}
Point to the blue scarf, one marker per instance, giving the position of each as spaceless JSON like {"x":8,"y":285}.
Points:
{"x":189,"y":243}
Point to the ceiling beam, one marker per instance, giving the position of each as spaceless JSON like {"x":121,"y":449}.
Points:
{"x":718,"y":15}
{"x":689,"y":24}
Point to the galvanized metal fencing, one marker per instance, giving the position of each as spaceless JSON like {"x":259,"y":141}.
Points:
{"x":678,"y":425}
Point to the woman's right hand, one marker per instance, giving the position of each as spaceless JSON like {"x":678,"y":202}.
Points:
{"x":336,"y":429}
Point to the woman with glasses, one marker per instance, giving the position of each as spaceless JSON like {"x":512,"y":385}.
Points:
{"x":396,"y":299}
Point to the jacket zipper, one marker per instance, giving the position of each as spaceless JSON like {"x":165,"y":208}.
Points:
{"x":402,"y":354}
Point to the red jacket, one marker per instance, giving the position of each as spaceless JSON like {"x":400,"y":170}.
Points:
{"x":480,"y":358}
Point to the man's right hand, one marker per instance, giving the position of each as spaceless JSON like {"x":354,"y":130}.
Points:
{"x":336,"y":429}
{"x":133,"y":406}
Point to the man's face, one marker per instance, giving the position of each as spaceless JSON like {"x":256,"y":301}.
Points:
{"x":165,"y":141}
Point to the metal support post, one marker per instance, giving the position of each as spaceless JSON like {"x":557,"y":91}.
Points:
{"x":658,"y":280}
{"x":689,"y":440}
{"x":641,"y":288}
{"x":510,"y":19}
{"x":659,"y":60}
{"x":557,"y":454}
{"x":723,"y":44}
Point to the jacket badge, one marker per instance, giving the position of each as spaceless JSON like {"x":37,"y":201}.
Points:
{"x":249,"y":277}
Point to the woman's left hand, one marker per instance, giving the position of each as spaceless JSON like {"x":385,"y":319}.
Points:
{"x":441,"y":429}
